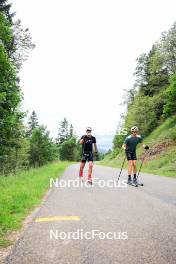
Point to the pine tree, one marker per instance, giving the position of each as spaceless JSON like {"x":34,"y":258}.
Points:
{"x":11,"y":128}
{"x":32,"y":123}
{"x":63,"y":131}
{"x":71,"y":131}
{"x":10,"y":97}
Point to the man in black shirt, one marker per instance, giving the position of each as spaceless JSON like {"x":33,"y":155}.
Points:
{"x":87,"y":141}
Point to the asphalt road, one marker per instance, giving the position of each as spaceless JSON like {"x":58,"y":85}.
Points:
{"x":143,"y":220}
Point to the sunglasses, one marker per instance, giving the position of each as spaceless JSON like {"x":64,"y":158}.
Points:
{"x":89,"y":131}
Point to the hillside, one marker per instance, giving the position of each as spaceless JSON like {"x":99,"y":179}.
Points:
{"x":161,"y":158}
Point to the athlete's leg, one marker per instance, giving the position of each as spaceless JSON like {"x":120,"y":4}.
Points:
{"x":134,"y":167}
{"x":134,"y":172}
{"x":130,"y":167}
{"x":90,"y":170}
{"x":82,"y":168}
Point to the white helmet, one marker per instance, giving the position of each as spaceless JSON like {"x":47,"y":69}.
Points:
{"x":134,"y":129}
{"x":88,"y":129}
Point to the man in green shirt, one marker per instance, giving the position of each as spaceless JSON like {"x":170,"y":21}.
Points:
{"x":130,"y":145}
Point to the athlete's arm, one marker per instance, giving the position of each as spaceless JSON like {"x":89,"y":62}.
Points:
{"x":124,"y":146}
{"x":82,"y":140}
{"x":143,"y":145}
{"x":95,"y":145}
{"x":95,"y":148}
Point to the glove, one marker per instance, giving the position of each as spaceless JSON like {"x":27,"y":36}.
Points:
{"x":146,"y":147}
{"x":96,"y":154}
{"x":85,"y":137}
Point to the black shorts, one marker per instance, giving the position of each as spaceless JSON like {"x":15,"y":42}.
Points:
{"x":131,"y":155}
{"x":87,"y":157}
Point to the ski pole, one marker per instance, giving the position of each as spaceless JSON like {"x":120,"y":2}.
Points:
{"x":121,"y":170}
{"x":141,"y":165}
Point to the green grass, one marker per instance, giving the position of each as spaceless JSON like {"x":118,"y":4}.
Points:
{"x":163,"y":164}
{"x":23,"y":192}
{"x":165,"y":132}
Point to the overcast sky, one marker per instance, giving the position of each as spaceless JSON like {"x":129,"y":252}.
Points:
{"x":85,"y":56}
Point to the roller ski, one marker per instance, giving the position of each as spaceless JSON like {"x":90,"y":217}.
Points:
{"x":132,"y":182}
{"x":140,"y":184}
{"x":89,"y":181}
{"x":81,"y":179}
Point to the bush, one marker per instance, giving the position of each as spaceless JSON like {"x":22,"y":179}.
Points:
{"x":68,"y":150}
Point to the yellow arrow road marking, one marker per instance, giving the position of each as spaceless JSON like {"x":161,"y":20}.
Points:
{"x":57,"y":218}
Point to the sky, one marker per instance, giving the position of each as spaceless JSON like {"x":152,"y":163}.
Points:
{"x":85,"y":57}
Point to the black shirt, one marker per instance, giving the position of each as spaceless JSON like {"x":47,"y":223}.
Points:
{"x":88,"y":143}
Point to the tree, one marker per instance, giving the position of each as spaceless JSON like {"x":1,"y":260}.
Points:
{"x":68,"y":150}
{"x":42,"y":148}
{"x":67,"y":142}
{"x":22,"y":44}
{"x":168,"y":48}
{"x":10,"y":97}
{"x":71,"y":131}
{"x":141,"y":114}
{"x":141,"y":72}
{"x":151,"y":74}
{"x":158,"y":74}
{"x":63,"y":133}
{"x":5,"y":8}
{"x":170,"y":93}
{"x":32,"y":123}
{"x":11,"y":118}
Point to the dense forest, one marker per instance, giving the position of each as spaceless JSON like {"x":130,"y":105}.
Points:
{"x":22,"y":145}
{"x":152,"y":99}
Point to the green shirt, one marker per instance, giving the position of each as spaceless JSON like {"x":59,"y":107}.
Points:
{"x":132,"y":142}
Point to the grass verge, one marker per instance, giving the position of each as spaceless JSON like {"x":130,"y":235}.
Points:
{"x":22,"y":192}
{"x":164,"y":165}
{"x":163,"y":143}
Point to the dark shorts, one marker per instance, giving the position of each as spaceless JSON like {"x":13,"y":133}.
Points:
{"x":131,"y":155}
{"x":87,"y":157}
